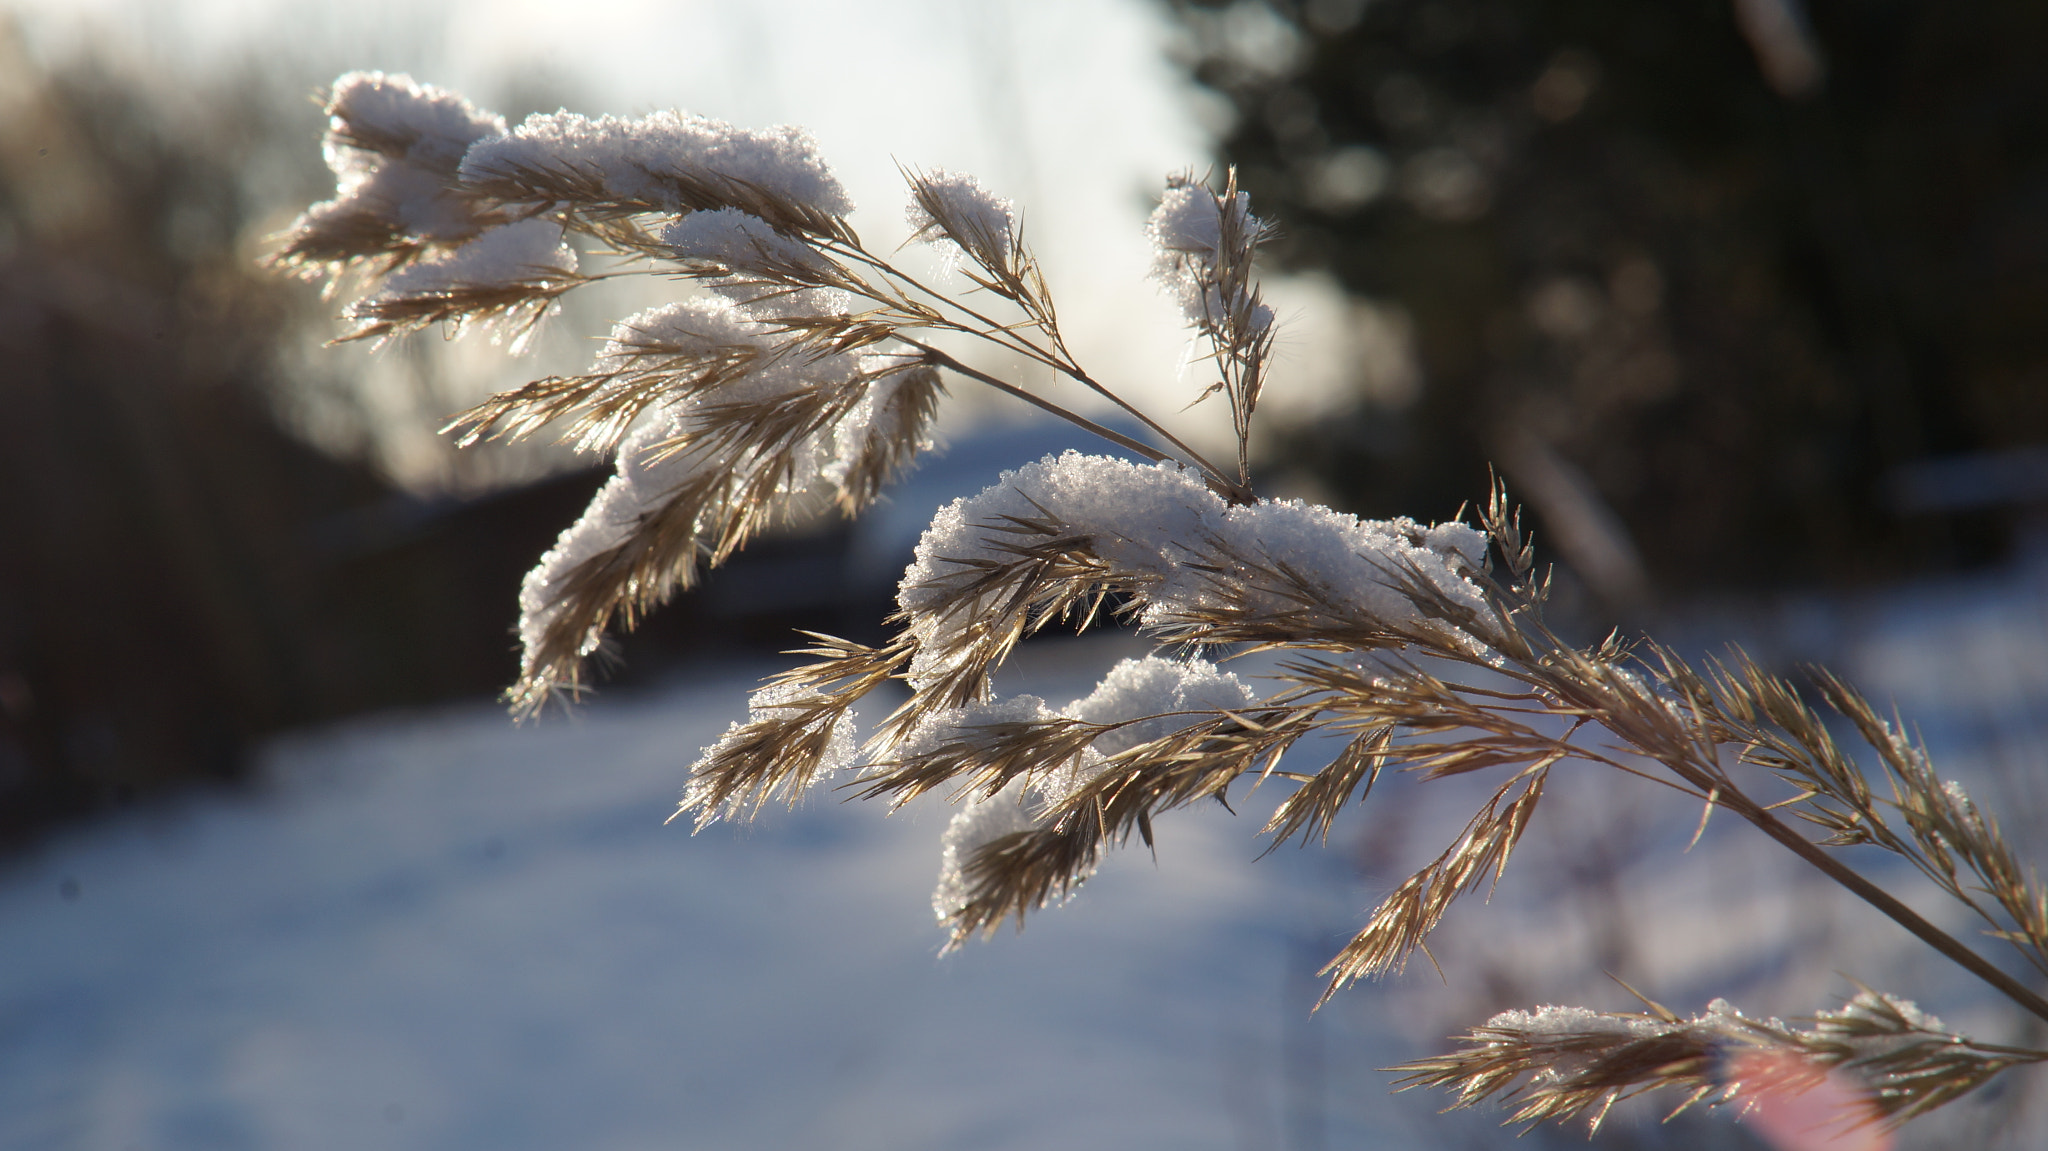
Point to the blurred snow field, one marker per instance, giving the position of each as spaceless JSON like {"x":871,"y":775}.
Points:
{"x":444,"y":931}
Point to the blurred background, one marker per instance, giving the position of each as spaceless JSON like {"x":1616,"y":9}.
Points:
{"x":1743,"y":298}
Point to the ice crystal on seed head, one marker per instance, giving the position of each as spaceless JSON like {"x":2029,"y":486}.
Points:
{"x":953,"y":207}
{"x":395,"y":116}
{"x":508,"y":254}
{"x":1202,"y":245}
{"x":746,"y":244}
{"x":394,"y":146}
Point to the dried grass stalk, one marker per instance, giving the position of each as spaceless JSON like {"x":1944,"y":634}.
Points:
{"x":816,"y":382}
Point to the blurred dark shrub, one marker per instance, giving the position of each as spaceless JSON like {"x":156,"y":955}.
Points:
{"x":1698,"y":276}
{"x":179,"y":575}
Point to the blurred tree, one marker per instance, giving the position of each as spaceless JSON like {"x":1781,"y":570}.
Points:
{"x":179,"y":575}
{"x":1698,"y":276}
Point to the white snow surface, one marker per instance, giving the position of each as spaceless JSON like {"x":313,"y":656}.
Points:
{"x":444,"y":931}
{"x":630,"y":155}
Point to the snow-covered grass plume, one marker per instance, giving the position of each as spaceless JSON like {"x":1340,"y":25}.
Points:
{"x":805,"y":373}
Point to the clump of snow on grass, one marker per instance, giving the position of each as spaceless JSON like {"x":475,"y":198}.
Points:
{"x":649,"y":472}
{"x":1154,"y":686}
{"x":611,"y":517}
{"x":974,"y":218}
{"x":1188,"y":245}
{"x":394,"y":146}
{"x":983,"y":819}
{"x":978,"y":823}
{"x":1161,"y":695}
{"x":772,"y":703}
{"x":1189,"y":223}
{"x":521,"y":252}
{"x":1159,"y":526}
{"x":1551,"y":1020}
{"x":744,"y":243}
{"x":874,"y":425}
{"x":629,"y":157}
{"x":395,"y":115}
{"x":1876,"y":1009}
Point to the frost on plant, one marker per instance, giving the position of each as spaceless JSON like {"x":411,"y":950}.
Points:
{"x":799,"y":368}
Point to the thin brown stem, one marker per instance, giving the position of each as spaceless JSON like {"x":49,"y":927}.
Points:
{"x":991,"y":330}
{"x":1877,"y":897}
{"x":1062,"y":361}
{"x":1236,"y":491}
{"x":1219,"y":483}
{"x":1696,"y":767}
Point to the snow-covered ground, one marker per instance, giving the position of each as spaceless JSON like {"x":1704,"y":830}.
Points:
{"x":443,"y":931}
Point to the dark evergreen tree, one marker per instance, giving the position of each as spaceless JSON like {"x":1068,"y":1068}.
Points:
{"x":1700,"y":277}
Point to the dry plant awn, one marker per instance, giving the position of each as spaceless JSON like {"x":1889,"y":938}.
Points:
{"x":805,"y":374}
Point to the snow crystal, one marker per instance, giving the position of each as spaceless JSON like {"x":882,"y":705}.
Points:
{"x":984,"y":218}
{"x":1554,"y":1021}
{"x":744,"y":243}
{"x":631,"y":155}
{"x":394,"y":146}
{"x":1186,"y":231}
{"x":501,"y":256}
{"x":429,"y":126}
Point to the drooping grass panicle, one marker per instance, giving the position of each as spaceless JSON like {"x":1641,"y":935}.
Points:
{"x":728,"y":423}
{"x":799,"y":729}
{"x":666,"y":162}
{"x":804,"y":371}
{"x":1948,"y":837}
{"x":1204,"y":243}
{"x":1564,"y":1063}
{"x":1926,"y":820}
{"x":511,"y":273}
{"x":1402,"y":922}
{"x":394,"y":147}
{"x":953,"y":211}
